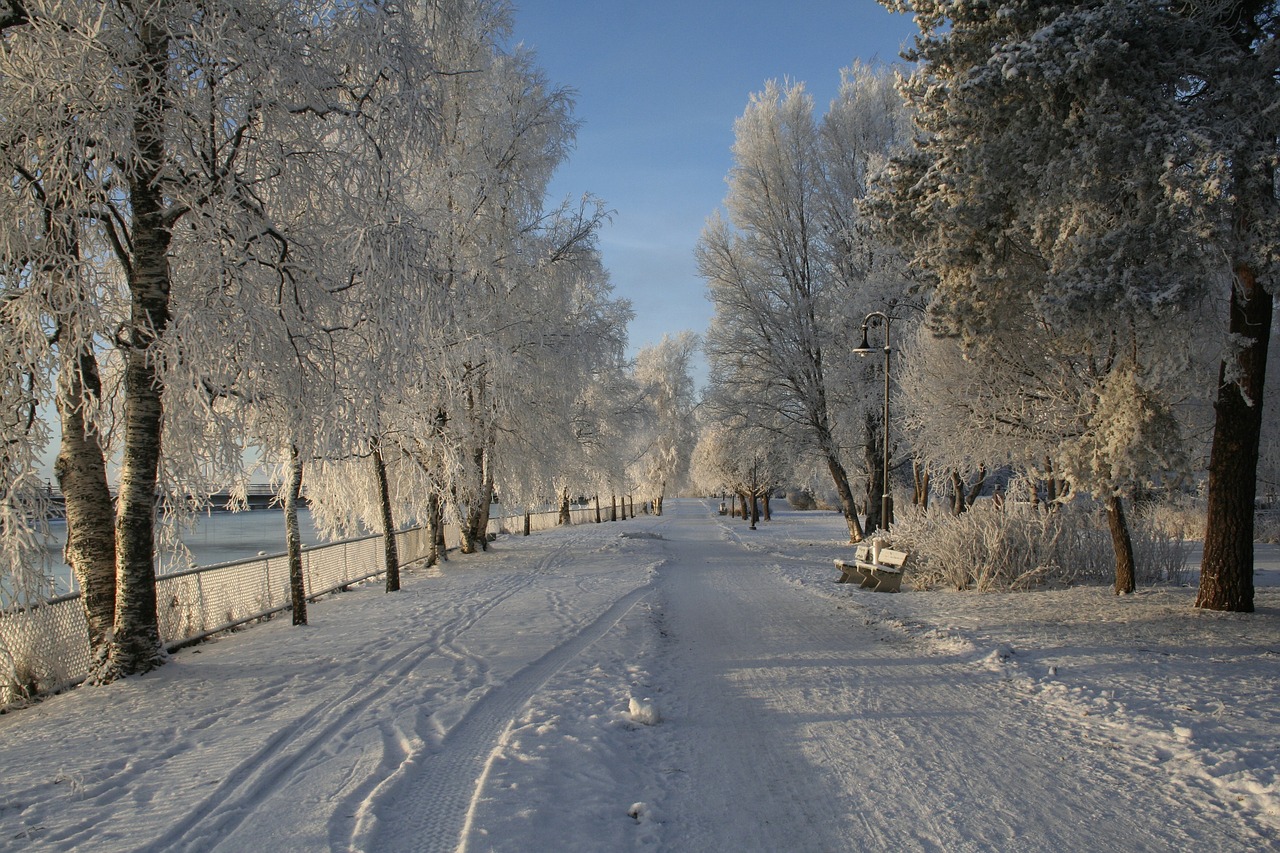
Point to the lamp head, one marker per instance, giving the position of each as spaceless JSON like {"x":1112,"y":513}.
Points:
{"x":863,"y":348}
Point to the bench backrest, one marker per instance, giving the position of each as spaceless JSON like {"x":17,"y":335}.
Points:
{"x":890,"y":557}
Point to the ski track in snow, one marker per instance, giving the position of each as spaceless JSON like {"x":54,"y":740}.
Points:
{"x":428,"y":801}
{"x":326,"y":728}
{"x":406,"y":780}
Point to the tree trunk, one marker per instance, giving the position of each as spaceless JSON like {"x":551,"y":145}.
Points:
{"x":564,"y":507}
{"x":1122,"y":544}
{"x":1050,"y":486}
{"x":979,"y":485}
{"x":957,"y":493}
{"x":441,"y":549}
{"x":920,"y":479}
{"x":768,"y":513}
{"x":840,"y":477}
{"x":82,"y":476}
{"x":847,"y":507}
{"x":480,"y":515}
{"x":874,"y":492}
{"x":597,"y":507}
{"x":435,"y":529}
{"x":136,"y":645}
{"x":468,"y":543}
{"x":613,"y":507}
{"x":1226,"y":572}
{"x":874,"y":456}
{"x":293,"y":539}
{"x":390,"y":551}
{"x":81,"y":467}
{"x":755,"y":509}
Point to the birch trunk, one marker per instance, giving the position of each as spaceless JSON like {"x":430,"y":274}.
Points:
{"x":847,"y":507}
{"x":475,"y":521}
{"x":293,"y":538}
{"x":82,"y":475}
{"x":441,"y":549}
{"x":480,"y":531}
{"x":434,"y":531}
{"x":81,"y":465}
{"x":979,"y":485}
{"x":390,"y":551}
{"x":136,"y":644}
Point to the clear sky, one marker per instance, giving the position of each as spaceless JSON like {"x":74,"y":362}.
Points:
{"x":659,"y":84}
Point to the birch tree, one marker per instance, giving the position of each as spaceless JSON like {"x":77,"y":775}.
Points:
{"x":508,"y":315}
{"x":793,"y":269}
{"x":171,"y":103}
{"x":663,"y":374}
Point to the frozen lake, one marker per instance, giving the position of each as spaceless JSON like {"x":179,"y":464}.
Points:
{"x":218,"y":537}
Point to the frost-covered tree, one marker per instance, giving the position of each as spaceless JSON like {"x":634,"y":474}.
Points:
{"x":1053,"y":408}
{"x":746,"y":462}
{"x":663,"y":375}
{"x":494,"y":314}
{"x":794,"y":268}
{"x":176,"y":120}
{"x":1099,"y":167}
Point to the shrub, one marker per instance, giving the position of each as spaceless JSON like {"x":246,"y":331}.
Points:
{"x":801,"y":499}
{"x":1267,"y":527}
{"x":1020,"y":546}
{"x":1181,"y":516}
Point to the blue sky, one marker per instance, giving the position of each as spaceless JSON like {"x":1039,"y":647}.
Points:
{"x":659,"y":84}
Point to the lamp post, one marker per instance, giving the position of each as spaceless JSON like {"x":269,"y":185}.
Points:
{"x":755,"y":490}
{"x":865,"y":349}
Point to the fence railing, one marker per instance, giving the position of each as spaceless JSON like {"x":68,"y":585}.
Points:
{"x":45,"y":648}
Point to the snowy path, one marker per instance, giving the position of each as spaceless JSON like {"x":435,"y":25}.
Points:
{"x":487,"y":707}
{"x":811,"y":725}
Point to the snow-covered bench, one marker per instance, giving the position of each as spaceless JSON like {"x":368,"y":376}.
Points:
{"x":882,"y":574}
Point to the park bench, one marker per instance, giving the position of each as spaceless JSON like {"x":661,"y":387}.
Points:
{"x":881,"y":575}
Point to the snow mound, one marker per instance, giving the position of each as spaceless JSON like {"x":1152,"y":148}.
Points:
{"x":998,"y":657}
{"x":639,"y":534}
{"x":642,"y":711}
{"x":640,"y":812}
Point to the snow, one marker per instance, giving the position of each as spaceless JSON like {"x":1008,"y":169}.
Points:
{"x":675,"y":683}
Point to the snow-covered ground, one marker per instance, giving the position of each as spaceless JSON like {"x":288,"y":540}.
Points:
{"x":677,"y":683}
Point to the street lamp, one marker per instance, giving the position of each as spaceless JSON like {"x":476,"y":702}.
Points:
{"x":865,"y":349}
